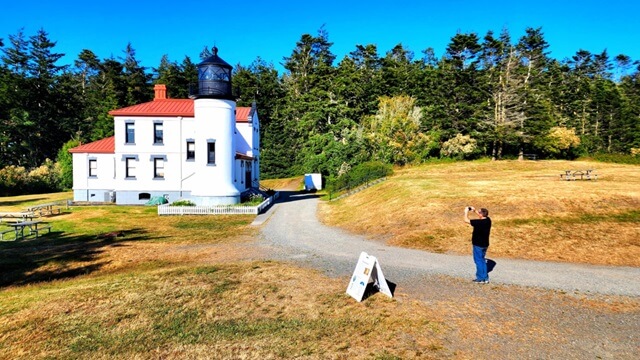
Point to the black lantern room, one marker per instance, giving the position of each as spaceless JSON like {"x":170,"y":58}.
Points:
{"x":214,"y":78}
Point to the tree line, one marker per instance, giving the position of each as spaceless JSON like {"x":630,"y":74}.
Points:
{"x":485,"y":96}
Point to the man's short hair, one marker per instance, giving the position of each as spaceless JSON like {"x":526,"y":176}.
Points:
{"x":484,"y":212}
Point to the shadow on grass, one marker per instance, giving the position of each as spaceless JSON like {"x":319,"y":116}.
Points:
{"x":372,"y":289}
{"x":20,"y":202}
{"x":58,"y":256}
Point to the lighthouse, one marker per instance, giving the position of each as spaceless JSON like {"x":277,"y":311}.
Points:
{"x":215,"y":127}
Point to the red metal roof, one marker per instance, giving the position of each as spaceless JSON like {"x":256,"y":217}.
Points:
{"x":159,"y":107}
{"x":170,"y":107}
{"x":242,"y":114}
{"x":104,"y":146}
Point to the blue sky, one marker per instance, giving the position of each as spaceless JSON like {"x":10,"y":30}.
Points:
{"x":245,"y":30}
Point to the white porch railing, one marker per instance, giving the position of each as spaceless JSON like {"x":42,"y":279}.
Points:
{"x":167,"y":209}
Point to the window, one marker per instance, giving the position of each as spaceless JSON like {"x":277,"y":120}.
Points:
{"x":131,"y":167}
{"x":158,"y":134}
{"x":93,"y":168}
{"x":211,"y":153}
{"x":158,"y":168}
{"x":130,"y":136}
{"x":191,"y":150}
{"x":144,"y":196}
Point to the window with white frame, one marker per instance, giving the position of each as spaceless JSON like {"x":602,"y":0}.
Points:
{"x":158,"y":168}
{"x":93,"y":168}
{"x":130,"y":133}
{"x":158,"y":133}
{"x":130,"y":164}
{"x":191,"y":150}
{"x":211,"y":152}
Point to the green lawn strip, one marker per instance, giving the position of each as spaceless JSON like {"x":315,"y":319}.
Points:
{"x":585,"y":218}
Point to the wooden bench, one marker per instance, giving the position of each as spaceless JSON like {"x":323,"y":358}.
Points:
{"x":38,"y":230}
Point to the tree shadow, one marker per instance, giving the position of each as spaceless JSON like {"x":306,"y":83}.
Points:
{"x":289,"y":196}
{"x":58,"y":256}
{"x":20,"y":202}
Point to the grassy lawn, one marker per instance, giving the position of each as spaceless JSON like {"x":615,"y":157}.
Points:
{"x":535,"y":214}
{"x":121,"y":282}
{"x":114,"y":282}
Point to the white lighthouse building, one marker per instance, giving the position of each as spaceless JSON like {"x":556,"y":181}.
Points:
{"x":214,"y":111}
{"x":204,"y":149}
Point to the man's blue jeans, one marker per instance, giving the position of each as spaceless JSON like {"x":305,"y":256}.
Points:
{"x":481,"y":263}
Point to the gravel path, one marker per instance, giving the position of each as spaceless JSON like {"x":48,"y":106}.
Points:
{"x":531,"y":310}
{"x":292,"y":227}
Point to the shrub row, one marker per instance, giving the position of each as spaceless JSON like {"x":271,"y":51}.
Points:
{"x":17,"y":180}
{"x":358,"y":175}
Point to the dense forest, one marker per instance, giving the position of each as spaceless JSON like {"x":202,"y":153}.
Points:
{"x":485,"y":96}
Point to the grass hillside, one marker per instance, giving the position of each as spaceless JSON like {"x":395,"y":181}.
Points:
{"x":535,"y":214}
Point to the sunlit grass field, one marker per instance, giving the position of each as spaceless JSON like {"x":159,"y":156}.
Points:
{"x":535,"y":214}
{"x":120,"y":282}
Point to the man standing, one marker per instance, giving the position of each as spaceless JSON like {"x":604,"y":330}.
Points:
{"x":480,"y":241}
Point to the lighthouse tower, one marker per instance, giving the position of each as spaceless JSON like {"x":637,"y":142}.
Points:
{"x":215,"y":124}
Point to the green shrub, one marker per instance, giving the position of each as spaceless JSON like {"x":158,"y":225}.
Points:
{"x":615,"y":158}
{"x":359,"y":174}
{"x":16,"y":180}
{"x":253,"y":200}
{"x":182,"y":203}
{"x":460,"y":147}
{"x":13,"y":180}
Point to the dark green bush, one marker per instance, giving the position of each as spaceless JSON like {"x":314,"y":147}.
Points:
{"x":614,"y":158}
{"x":360,"y":174}
{"x":182,"y":203}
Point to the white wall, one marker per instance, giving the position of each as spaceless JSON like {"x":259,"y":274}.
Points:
{"x":180,"y":175}
{"x":104,"y":181}
{"x":172,"y":148}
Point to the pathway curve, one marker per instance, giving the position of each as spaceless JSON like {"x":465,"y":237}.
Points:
{"x":291,"y":231}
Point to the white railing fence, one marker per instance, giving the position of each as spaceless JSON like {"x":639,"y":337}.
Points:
{"x":167,"y":209}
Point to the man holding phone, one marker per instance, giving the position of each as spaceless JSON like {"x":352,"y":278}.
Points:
{"x":479,"y":241}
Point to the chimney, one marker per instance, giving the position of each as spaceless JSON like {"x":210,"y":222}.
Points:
{"x":161,"y":92}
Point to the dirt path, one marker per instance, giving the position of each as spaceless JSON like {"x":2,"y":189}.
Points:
{"x":530,"y":309}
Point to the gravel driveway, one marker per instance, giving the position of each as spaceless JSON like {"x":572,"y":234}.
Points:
{"x":293,"y":231}
{"x":531,"y":310}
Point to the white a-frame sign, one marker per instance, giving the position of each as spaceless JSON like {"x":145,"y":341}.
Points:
{"x":367,"y":269}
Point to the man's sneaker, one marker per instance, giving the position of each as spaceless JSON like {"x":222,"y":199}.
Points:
{"x":481,"y":281}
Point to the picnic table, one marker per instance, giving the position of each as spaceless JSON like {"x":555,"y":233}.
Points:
{"x":16,"y":216}
{"x":32,"y":226}
{"x":46,"y":209}
{"x":581,"y":174}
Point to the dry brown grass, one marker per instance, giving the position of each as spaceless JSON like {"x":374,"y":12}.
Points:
{"x":535,"y":215}
{"x":121,"y":282}
{"x":230,"y":310}
{"x":196,"y":288}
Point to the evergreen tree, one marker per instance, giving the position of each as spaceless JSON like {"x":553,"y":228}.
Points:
{"x":136,"y":79}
